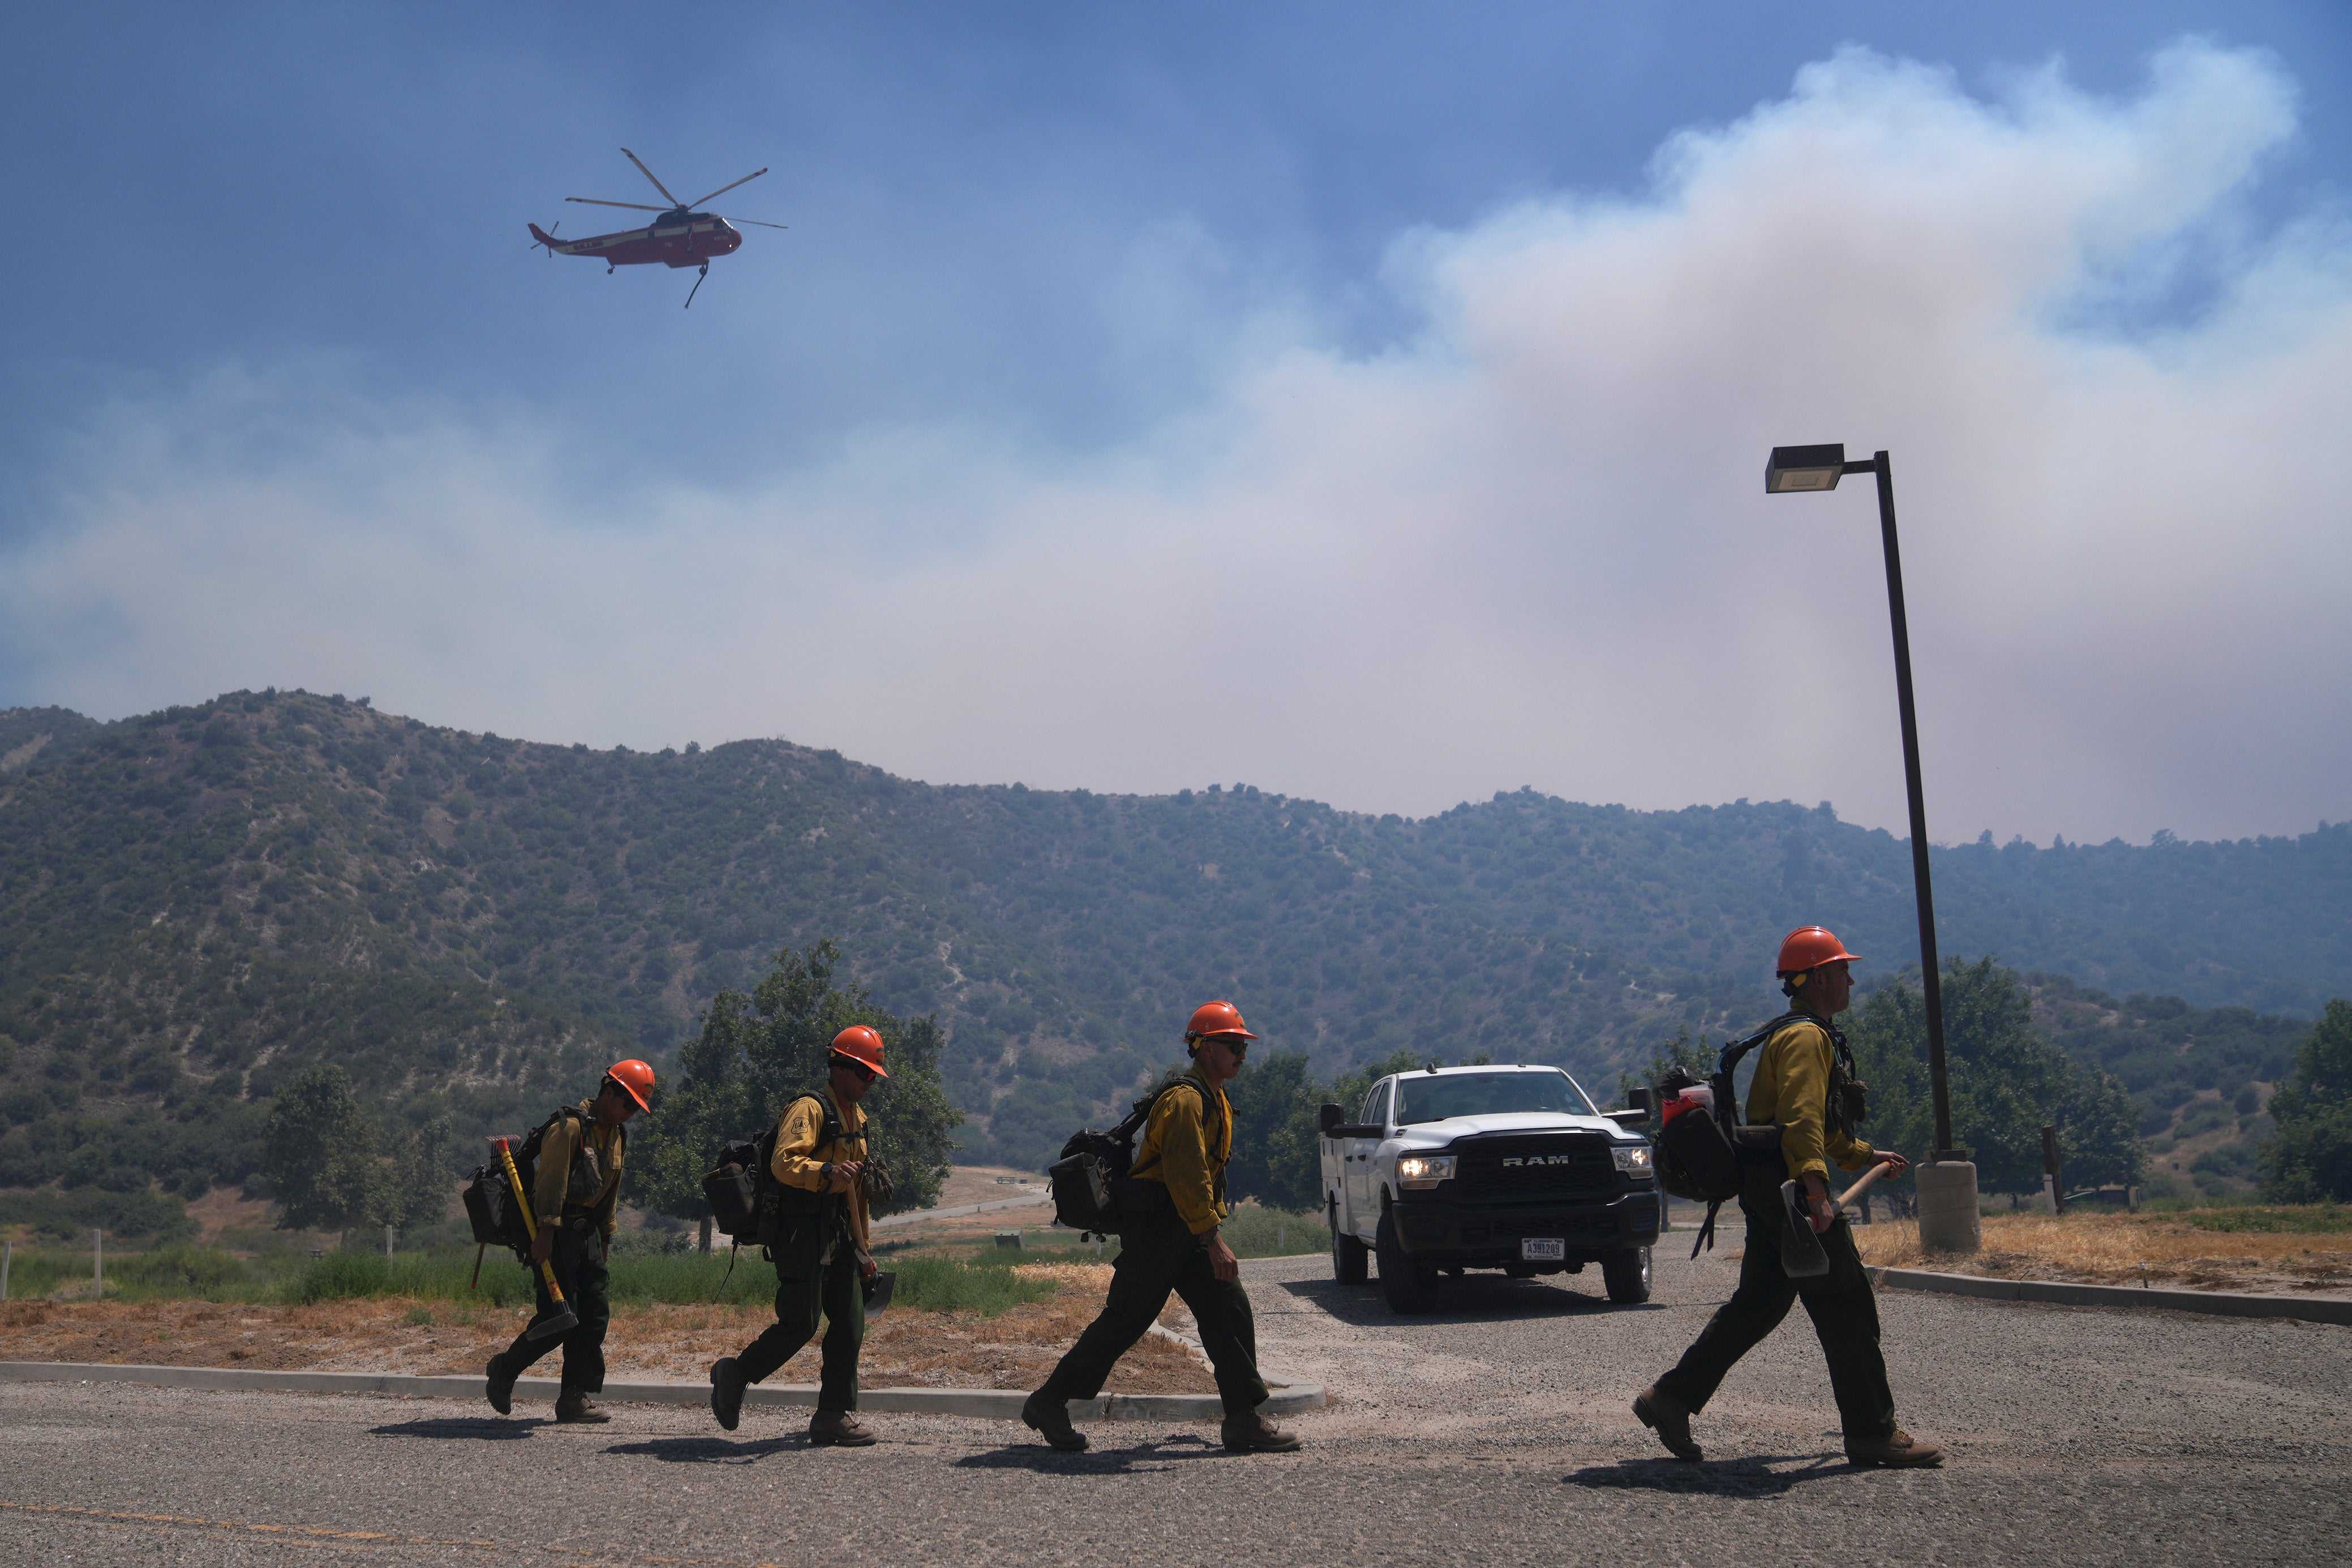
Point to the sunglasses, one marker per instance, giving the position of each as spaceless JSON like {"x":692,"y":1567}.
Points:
{"x":864,"y":1073}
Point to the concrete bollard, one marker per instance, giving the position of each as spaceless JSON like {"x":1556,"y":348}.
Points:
{"x":1948,"y":1221}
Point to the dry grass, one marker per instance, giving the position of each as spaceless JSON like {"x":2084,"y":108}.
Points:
{"x":905,"y":1348}
{"x":2128,"y":1248}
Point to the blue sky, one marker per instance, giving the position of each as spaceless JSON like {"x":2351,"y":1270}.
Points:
{"x":1144,"y":396}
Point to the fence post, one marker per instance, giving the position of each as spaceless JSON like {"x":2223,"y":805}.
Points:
{"x":387,"y":1243}
{"x":97,"y":1258}
{"x":7,"y":1256}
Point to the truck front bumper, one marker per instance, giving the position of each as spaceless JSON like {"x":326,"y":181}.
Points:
{"x":1445,"y":1234}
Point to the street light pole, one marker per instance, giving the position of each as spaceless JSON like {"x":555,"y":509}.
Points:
{"x":1926,"y":896}
{"x":1948,"y":1184}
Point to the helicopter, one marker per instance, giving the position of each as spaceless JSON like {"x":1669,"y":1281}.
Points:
{"x":680,"y":236}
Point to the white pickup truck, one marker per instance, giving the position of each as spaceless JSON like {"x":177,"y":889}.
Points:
{"x":1486,"y":1167}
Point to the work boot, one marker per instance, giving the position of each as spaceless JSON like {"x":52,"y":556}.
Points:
{"x":499,"y":1388}
{"x":727,"y":1382}
{"x":840,"y":1430}
{"x":574,"y":1406}
{"x":1898,"y":1449}
{"x":1050,"y":1419}
{"x":1254,"y":1434}
{"x":1667,"y":1417}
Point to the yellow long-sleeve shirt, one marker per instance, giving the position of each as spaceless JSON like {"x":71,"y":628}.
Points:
{"x":1791,"y":1090}
{"x":1187,"y":1157}
{"x":803,"y":1152}
{"x":551,"y":1185}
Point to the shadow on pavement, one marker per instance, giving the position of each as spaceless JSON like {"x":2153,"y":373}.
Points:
{"x":708,"y":1450}
{"x":489,"y":1428}
{"x":1474,"y":1298}
{"x":1751,"y":1477}
{"x":1137,"y":1458}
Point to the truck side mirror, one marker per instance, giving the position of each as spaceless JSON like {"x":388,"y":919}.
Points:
{"x":1330,"y":1117}
{"x":1644,"y":1100}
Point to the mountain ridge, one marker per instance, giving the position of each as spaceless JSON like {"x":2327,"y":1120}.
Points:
{"x":363,"y":859}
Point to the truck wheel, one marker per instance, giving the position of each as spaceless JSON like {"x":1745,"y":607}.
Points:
{"x":1409,"y":1287}
{"x":1627,"y":1275}
{"x":1349,"y":1258}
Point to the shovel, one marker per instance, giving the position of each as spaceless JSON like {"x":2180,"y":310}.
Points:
{"x":1801,"y":1256}
{"x":880,"y":1287}
{"x":561,"y":1317}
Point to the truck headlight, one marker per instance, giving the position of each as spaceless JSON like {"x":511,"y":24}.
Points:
{"x":1424,"y":1170}
{"x":1633,"y":1159}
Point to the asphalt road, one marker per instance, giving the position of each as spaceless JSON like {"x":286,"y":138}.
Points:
{"x":1493,"y":1432}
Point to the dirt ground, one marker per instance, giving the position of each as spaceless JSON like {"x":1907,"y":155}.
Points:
{"x":904,"y":1348}
{"x":2163,"y":1251}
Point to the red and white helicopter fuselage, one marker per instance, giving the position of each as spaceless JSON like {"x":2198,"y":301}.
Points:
{"x":679,"y":237}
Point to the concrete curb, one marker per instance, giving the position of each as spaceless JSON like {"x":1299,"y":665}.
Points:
{"x":994,"y":1404}
{"x":2218,"y":1304}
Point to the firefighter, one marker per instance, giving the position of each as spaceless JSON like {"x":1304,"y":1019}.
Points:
{"x":1171,"y":1202}
{"x":573,"y":1195}
{"x":822,"y":1259}
{"x":1797,"y":1088}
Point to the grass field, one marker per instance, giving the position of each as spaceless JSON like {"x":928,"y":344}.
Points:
{"x":927,"y":1281}
{"x":2219,"y":1248}
{"x":944,"y":1276}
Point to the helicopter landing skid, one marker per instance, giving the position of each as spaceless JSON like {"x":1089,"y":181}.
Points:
{"x":698,"y":287}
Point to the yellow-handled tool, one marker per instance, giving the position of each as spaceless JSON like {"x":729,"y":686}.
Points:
{"x":562,"y":1320}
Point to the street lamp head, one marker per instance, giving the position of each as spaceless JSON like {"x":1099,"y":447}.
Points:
{"x":1804,"y":468}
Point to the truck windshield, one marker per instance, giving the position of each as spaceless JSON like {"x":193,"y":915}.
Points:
{"x":1421,"y":1099}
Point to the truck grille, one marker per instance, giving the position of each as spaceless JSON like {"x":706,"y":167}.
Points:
{"x":1534,"y":1167}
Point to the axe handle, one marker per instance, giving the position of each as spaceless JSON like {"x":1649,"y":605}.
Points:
{"x":1876,"y":1170}
{"x":529,"y":1227}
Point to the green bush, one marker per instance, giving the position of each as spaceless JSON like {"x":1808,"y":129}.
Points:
{"x":183,"y":1271}
{"x":1253,"y":1232}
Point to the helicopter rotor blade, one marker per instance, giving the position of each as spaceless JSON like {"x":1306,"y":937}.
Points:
{"x":633,"y":206}
{"x":648,"y":173}
{"x":753,"y":221}
{"x":724,"y":189}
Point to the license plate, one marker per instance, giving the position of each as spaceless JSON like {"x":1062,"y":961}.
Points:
{"x":1543,"y":1249}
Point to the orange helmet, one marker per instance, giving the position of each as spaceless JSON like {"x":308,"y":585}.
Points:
{"x":1809,"y":947}
{"x":636,"y":1079}
{"x":1216,"y":1017}
{"x":860,"y":1044}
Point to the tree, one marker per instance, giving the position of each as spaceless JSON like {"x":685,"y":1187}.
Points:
{"x":2311,"y":1158}
{"x":412,"y":1183}
{"x":2008,"y":1082}
{"x":1274,"y":1103}
{"x":319,"y":1153}
{"x":758,"y":1052}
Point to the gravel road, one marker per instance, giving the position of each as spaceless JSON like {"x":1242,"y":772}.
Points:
{"x":1493,"y":1432}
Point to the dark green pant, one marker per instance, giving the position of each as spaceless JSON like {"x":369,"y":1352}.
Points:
{"x":807,"y":1285}
{"x":1155,"y":1257}
{"x":1842,"y":1307}
{"x":579,"y":1260}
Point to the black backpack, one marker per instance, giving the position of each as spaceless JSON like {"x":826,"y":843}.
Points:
{"x":751,"y":1207}
{"x":490,"y":1205}
{"x":1086,"y":1181}
{"x":1697,"y":1155}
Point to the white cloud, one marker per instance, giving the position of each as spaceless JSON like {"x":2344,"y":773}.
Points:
{"x":1529,"y":546}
